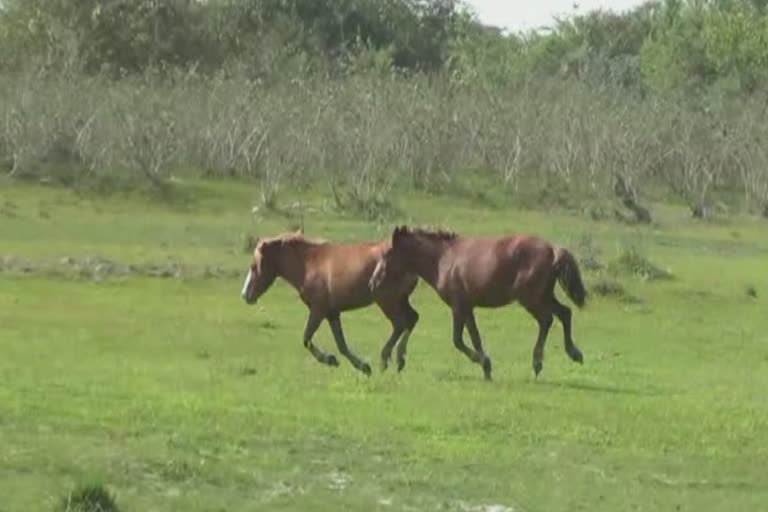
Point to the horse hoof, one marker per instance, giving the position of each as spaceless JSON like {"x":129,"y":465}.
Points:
{"x":400,"y":365}
{"x":487,"y":367}
{"x":537,"y":366}
{"x":366,"y":369}
{"x":384,"y":365}
{"x":331,"y":360}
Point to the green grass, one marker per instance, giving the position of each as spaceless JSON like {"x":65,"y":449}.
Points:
{"x":178,"y":396}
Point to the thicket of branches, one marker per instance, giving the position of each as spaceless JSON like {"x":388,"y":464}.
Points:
{"x":365,"y":96}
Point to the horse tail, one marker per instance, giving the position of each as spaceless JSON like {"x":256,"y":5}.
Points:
{"x":569,"y":276}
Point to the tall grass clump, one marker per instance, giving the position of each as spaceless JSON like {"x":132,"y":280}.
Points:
{"x":631,"y":260}
{"x":92,"y":497}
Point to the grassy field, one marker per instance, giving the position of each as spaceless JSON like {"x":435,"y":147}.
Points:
{"x":178,"y":396}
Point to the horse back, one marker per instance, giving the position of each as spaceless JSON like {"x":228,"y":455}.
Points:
{"x":344,"y":272}
{"x":492,"y":253}
{"x":493,"y":271}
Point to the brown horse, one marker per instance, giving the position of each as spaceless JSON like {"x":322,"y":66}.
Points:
{"x":488,"y":272}
{"x":333,"y":278}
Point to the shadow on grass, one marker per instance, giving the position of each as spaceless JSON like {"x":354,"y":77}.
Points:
{"x":454,"y":376}
{"x":604,"y":388}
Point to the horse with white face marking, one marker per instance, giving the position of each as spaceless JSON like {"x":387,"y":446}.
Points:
{"x":333,"y":278}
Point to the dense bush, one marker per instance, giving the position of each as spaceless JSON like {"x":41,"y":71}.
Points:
{"x":363,"y":97}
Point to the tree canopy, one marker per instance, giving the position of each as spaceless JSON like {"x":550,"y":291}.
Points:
{"x":661,"y":45}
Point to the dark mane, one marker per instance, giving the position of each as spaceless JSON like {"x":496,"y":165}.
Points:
{"x":433,"y":233}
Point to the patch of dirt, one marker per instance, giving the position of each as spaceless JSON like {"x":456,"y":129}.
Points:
{"x":466,"y":507}
{"x":282,"y":489}
{"x":339,"y":480}
{"x":97,"y":268}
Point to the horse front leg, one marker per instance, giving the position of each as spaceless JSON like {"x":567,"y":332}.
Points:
{"x":404,"y":319}
{"x":386,"y":351}
{"x":459,"y":322}
{"x":396,"y":318}
{"x":313,"y":323}
{"x":334,"y":319}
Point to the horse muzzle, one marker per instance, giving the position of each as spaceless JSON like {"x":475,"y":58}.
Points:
{"x":246,"y":293}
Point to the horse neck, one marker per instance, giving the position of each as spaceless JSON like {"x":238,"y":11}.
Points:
{"x":292,"y":266}
{"x":425,"y":258}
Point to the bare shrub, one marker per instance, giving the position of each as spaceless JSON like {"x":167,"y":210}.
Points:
{"x":748,"y":156}
{"x":692,"y":158}
{"x":588,"y":252}
{"x":48,"y":139}
{"x":752,"y":166}
{"x":362,"y":137}
{"x":632,"y":153}
{"x":510,"y":134}
{"x":147,"y":144}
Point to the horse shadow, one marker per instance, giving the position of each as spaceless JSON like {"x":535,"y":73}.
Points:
{"x":467,"y":377}
{"x":604,"y":388}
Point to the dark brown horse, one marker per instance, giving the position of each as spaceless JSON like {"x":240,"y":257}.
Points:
{"x":488,"y":272}
{"x":333,"y":278}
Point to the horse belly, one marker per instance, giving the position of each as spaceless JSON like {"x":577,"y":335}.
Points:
{"x":347,"y":284}
{"x":351,"y":301}
{"x":491,"y":292}
{"x":494,"y":300}
{"x":351,"y":306}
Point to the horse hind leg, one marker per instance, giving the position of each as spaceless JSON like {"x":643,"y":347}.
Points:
{"x":543,"y":316}
{"x":396,"y":317}
{"x":563,"y":313}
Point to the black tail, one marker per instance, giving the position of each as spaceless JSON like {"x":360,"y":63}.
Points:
{"x":569,"y":276}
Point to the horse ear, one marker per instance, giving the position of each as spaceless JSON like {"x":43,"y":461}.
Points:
{"x":397,"y":234}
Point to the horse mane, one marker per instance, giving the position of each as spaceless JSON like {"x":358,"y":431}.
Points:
{"x":433,"y":233}
{"x":292,"y":239}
